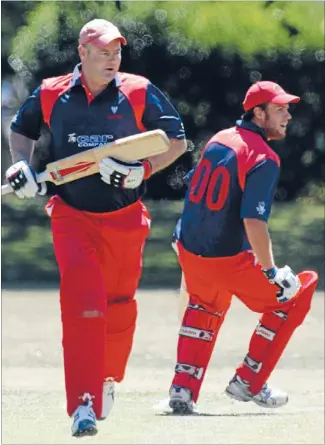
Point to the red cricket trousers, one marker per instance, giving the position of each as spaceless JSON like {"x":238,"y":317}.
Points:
{"x":211,"y":283}
{"x":100,"y":262}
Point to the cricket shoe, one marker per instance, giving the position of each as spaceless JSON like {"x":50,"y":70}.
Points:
{"x":84,"y":418}
{"x":238,"y":389}
{"x":180,"y":400}
{"x":108,"y":398}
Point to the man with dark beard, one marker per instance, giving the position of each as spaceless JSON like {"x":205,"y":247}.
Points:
{"x":224,"y":249}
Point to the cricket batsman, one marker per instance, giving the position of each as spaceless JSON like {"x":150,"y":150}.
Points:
{"x":224,"y":249}
{"x":99,"y":223}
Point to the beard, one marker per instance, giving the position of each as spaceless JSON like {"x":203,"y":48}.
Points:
{"x":274,"y":132}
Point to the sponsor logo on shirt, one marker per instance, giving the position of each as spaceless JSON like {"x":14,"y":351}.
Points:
{"x":86,"y":141}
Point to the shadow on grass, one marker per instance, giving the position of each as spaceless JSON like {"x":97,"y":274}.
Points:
{"x":204,"y":414}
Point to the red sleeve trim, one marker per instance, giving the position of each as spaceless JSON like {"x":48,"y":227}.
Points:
{"x":134,"y":89}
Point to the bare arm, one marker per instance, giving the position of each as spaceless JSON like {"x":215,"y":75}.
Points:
{"x":21,"y":147}
{"x":259,"y":238}
{"x":177,"y":148}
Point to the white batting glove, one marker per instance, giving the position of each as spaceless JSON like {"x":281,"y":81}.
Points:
{"x":286,"y":280}
{"x":22,"y":179}
{"x":128,"y":176}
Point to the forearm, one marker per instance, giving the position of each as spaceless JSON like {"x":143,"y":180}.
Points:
{"x":177,"y":148}
{"x":21,"y":147}
{"x":258,"y":236}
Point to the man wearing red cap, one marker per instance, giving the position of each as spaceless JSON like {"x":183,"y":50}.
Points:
{"x":99,"y":223}
{"x":224,"y":249}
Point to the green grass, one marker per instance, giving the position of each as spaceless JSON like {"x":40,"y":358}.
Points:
{"x":297,"y":231}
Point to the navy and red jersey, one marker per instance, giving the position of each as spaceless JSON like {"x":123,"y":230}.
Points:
{"x":77,"y":121}
{"x":236,"y":178}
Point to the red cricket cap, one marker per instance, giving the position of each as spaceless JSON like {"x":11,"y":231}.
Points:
{"x":100,"y":32}
{"x":266,"y":91}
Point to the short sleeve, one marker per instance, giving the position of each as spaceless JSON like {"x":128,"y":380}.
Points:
{"x":260,"y":188}
{"x":160,"y":114}
{"x":29,"y":118}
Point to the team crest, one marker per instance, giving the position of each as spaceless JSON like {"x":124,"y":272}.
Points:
{"x":261,"y":208}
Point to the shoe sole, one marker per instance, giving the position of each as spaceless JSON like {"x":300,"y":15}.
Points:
{"x":263,"y":405}
{"x":86,"y":432}
{"x":180,"y":407}
{"x":234,"y":396}
{"x":270,"y":406}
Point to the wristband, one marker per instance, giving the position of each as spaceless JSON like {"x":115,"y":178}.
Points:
{"x":147,"y":169}
{"x":270,"y":273}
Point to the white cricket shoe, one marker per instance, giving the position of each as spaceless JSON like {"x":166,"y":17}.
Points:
{"x":108,"y":398}
{"x":268,"y":398}
{"x":84,"y":418}
{"x":180,"y":400}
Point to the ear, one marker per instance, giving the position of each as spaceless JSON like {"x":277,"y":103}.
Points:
{"x":82,"y":50}
{"x":259,"y":113}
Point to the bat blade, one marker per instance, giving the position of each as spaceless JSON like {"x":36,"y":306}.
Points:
{"x":128,"y":149}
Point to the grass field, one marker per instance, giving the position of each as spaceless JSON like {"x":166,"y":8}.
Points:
{"x":33,"y":399}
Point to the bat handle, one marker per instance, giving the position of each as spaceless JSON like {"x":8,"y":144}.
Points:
{"x":6,"y":189}
{"x":40,"y":177}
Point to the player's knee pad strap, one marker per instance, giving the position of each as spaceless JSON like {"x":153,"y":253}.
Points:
{"x":193,"y":371}
{"x":272,"y":334}
{"x":199,"y":323}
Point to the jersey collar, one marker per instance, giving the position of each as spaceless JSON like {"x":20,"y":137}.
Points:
{"x":76,"y":77}
{"x":251,"y":127}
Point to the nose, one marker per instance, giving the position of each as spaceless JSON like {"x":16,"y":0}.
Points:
{"x":288,"y":116}
{"x":112,"y":57}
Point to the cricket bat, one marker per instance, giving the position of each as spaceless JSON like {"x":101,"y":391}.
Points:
{"x":128,"y":149}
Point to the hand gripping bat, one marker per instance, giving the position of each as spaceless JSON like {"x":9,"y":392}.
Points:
{"x":128,"y":149}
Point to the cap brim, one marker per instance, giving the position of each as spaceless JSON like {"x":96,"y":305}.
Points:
{"x":105,"y":39}
{"x":282,"y":99}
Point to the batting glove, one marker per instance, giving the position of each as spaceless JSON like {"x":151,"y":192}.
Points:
{"x":128,"y":176}
{"x":286,"y":280}
{"x":22,"y":179}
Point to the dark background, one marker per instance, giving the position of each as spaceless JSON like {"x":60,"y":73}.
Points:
{"x":207,"y":92}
